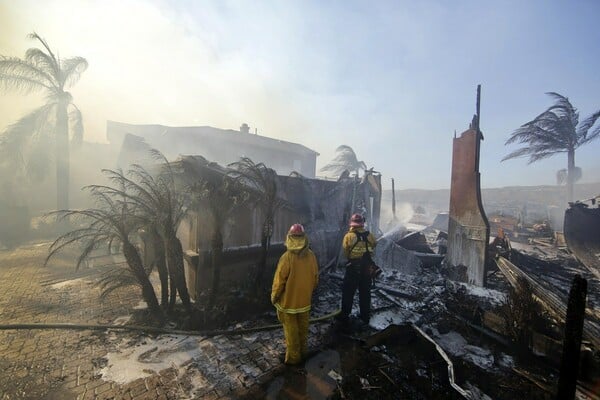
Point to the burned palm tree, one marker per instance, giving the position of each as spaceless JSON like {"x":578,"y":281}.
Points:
{"x":26,"y":142}
{"x":345,"y":160}
{"x":556,"y":130}
{"x":221,"y":195}
{"x":114,"y":220}
{"x":162,"y":206}
{"x":158,"y":261}
{"x":262,"y":181}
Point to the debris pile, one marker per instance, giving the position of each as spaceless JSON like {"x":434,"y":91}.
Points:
{"x":467,"y":322}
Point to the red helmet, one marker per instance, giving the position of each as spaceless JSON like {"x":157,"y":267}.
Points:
{"x":357,"y":221}
{"x":296,"y":230}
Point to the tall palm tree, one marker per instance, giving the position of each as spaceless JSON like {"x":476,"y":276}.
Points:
{"x":113,"y":221}
{"x":556,"y":130}
{"x":345,"y":160}
{"x":55,"y":121}
{"x":263,"y":182}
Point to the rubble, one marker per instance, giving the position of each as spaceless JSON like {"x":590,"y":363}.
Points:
{"x":464,"y":320}
{"x":550,"y":300}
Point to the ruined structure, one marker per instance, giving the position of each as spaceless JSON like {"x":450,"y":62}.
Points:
{"x":468,"y":227}
{"x":223,"y":146}
{"x":582,"y":233}
{"x":323,"y":207}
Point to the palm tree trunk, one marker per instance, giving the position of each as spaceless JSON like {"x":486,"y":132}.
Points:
{"x":172,"y":283}
{"x":161,"y":266}
{"x":265,"y":241}
{"x":570,"y":174}
{"x":62,"y":157}
{"x":135,"y":264}
{"x":262,"y":261}
{"x":175,"y":262}
{"x":217,"y":252}
{"x":172,"y":271}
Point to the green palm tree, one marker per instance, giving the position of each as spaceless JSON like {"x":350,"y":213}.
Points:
{"x":345,"y":160}
{"x":262,"y":182}
{"x":58,"y":119}
{"x":556,"y":130}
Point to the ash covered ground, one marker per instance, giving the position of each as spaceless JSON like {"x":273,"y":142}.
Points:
{"x":389,"y":360}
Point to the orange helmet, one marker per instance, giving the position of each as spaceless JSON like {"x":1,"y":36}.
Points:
{"x":357,"y":221}
{"x":296,"y":230}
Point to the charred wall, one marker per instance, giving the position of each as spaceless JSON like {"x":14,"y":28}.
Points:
{"x":323,"y":207}
{"x":468,"y":227}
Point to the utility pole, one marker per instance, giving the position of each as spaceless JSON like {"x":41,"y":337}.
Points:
{"x":393,"y":201}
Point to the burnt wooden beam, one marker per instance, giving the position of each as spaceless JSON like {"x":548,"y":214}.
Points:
{"x":569,"y":365}
{"x":549,"y":300}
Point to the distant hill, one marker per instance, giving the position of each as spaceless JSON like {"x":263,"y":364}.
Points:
{"x":537,"y":199}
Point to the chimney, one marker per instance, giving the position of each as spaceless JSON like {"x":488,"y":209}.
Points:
{"x":244,"y":128}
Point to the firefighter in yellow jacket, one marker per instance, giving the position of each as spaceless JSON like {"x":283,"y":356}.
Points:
{"x":356,"y":243}
{"x":295,"y":280}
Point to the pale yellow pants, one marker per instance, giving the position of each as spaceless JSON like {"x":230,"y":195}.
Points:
{"x":295,"y":330}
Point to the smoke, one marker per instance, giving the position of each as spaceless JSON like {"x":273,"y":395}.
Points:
{"x":150,"y":64}
{"x":404,"y":213}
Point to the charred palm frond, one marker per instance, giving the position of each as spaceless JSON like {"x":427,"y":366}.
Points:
{"x":114,"y":220}
{"x":41,"y":70}
{"x":263,"y":181}
{"x":115,"y":278}
{"x":161,"y":205}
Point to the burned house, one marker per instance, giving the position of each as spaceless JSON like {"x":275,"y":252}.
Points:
{"x":222,"y":146}
{"x":324,"y":207}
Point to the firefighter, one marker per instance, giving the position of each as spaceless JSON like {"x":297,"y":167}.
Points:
{"x":295,"y":280}
{"x":358,"y":244}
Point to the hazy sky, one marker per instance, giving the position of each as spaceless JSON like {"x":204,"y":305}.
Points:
{"x":394,"y":80}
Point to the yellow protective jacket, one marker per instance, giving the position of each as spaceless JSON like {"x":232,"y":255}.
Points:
{"x":353,"y":252}
{"x":296,"y":277}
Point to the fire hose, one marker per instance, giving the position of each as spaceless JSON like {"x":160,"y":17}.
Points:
{"x":151,"y":329}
